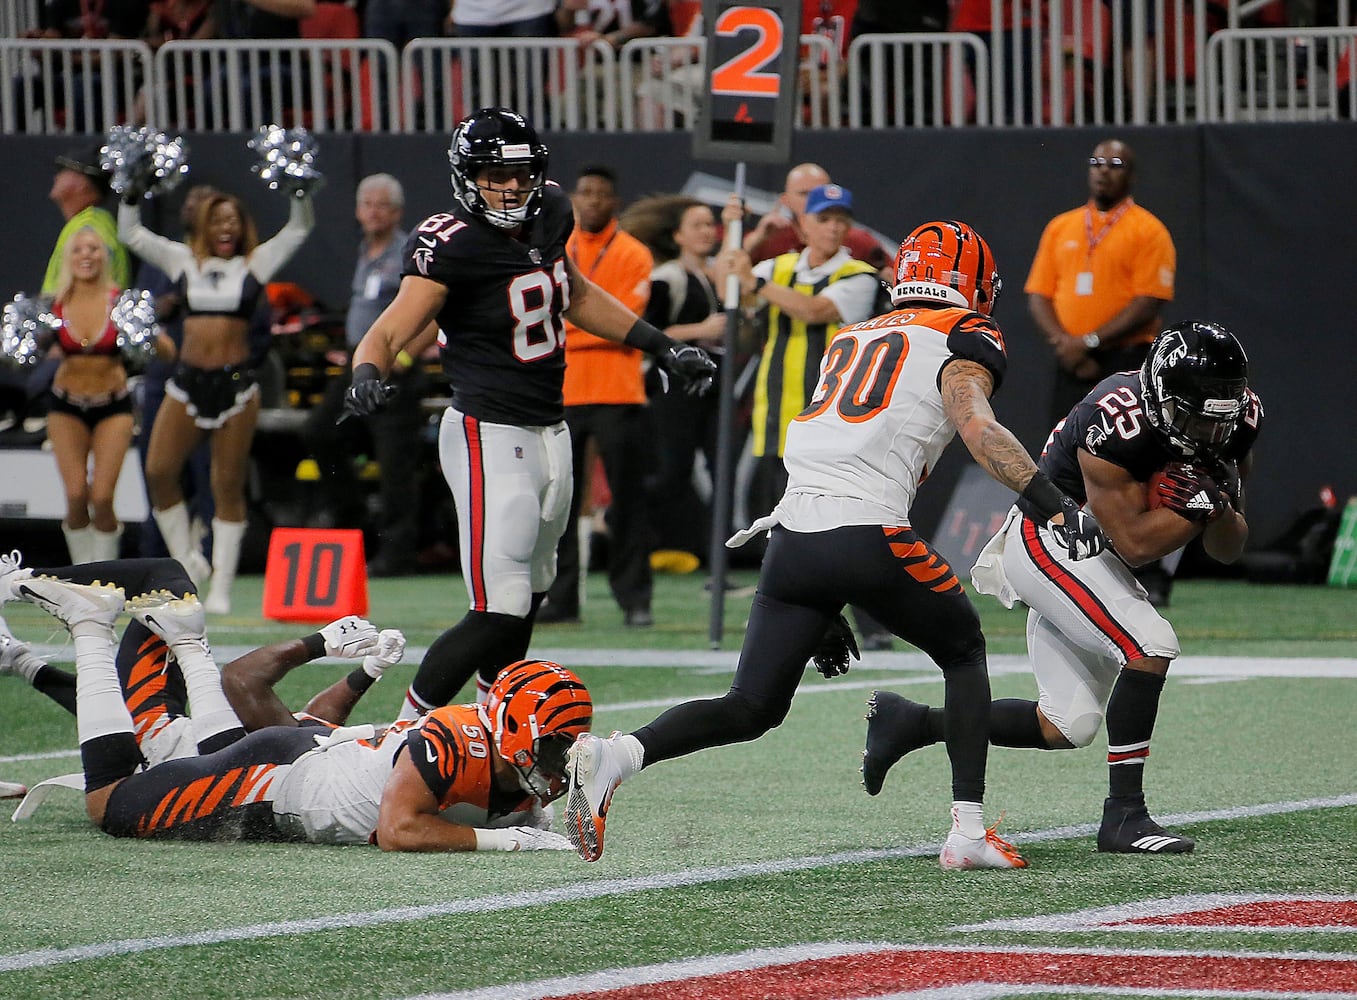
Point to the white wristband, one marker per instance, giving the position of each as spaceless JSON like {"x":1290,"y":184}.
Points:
{"x":494,"y":840}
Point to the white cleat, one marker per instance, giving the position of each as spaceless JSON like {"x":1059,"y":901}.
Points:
{"x":594,"y":769}
{"x":10,"y":648}
{"x":73,"y":603}
{"x":174,"y":619}
{"x":962,"y":853}
{"x":12,"y":790}
{"x":11,"y":572}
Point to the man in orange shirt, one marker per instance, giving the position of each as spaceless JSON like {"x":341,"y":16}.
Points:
{"x":1102,"y":274}
{"x":605,"y":403}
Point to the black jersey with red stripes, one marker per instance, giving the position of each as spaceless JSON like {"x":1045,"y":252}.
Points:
{"x":1109,"y":423}
{"x":501,"y":335}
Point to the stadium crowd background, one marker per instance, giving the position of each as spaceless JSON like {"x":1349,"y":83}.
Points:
{"x":1263,"y":244}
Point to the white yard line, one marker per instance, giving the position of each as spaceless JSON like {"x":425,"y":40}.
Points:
{"x":577,"y":892}
{"x":1203,"y":669}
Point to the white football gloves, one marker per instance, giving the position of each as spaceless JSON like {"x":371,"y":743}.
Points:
{"x":520,"y":838}
{"x":350,"y":637}
{"x":390,"y":649}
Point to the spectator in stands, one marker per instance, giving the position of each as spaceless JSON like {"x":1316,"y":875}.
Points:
{"x":263,"y":19}
{"x":685,"y":303}
{"x":615,"y":22}
{"x":498,"y":19}
{"x":1019,"y":51}
{"x":376,"y":279}
{"x":781,"y":230}
{"x":78,"y":19}
{"x":890,"y":17}
{"x":808,"y":295}
{"x":1102,"y":274}
{"x":90,"y":423}
{"x":605,"y":405}
{"x":173,"y":21}
{"x":223,"y":271}
{"x":818,"y":75}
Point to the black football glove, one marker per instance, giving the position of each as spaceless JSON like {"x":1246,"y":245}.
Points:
{"x":1191,"y":493}
{"x":1226,"y":474}
{"x":366,"y":394}
{"x":690,"y":366}
{"x":831,"y":657}
{"x":1080,"y":534}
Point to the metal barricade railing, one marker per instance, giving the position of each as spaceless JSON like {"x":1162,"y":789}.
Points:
{"x":1283,"y":74}
{"x":554,"y":82}
{"x":67,"y":87}
{"x":661,"y":80}
{"x":17,"y":16}
{"x":1095,"y":62}
{"x":339,"y":85}
{"x":664,"y":78}
{"x":917,"y":80}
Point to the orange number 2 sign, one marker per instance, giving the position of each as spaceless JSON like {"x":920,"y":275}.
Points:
{"x":743,"y":74}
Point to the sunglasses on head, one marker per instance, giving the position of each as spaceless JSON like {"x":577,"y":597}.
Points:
{"x":1111,"y":162}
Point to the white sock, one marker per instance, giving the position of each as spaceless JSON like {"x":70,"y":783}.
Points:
{"x":28,"y":663}
{"x":173,"y":525}
{"x":482,"y":690}
{"x":100,"y":709}
{"x":413,"y":708}
{"x":633,"y":754}
{"x":79,"y":543}
{"x":212,"y":713}
{"x":968,"y":819}
{"x":104,"y":545}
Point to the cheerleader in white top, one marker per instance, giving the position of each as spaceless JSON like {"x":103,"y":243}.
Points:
{"x":221,"y":272}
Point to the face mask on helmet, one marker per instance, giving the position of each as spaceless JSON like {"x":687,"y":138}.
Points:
{"x":1195,"y":383}
{"x":536,"y":710}
{"x":946,"y":263}
{"x":499,"y":167}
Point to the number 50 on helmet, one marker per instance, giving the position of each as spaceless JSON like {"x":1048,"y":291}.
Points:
{"x":946,"y":264}
{"x":536,"y":709}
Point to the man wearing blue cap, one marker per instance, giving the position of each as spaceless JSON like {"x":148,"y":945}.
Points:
{"x":808,"y":294}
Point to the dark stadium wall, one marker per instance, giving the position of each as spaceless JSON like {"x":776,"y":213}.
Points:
{"x":1262,"y":217}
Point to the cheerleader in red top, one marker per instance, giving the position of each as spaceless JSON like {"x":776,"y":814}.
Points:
{"x":91,"y":412}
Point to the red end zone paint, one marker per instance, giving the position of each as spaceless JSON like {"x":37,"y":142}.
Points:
{"x":892,"y":971}
{"x":1297,"y":913}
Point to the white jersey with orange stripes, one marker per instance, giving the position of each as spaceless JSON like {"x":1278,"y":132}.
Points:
{"x":875,"y":425}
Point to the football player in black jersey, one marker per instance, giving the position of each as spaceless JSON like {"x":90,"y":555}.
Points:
{"x":1157,"y":455}
{"x":494,"y":275}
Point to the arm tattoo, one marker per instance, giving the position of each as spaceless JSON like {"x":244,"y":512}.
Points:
{"x":965,"y":399}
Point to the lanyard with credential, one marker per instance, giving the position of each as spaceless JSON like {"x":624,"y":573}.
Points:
{"x":575,"y":255}
{"x":1112,"y":220}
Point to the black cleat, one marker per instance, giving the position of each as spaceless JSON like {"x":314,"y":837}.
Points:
{"x":895,"y":726}
{"x":1128,"y":829}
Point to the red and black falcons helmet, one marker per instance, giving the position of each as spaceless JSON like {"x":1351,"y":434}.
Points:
{"x":1195,"y":382}
{"x":536,"y":709}
{"x":497,"y":137}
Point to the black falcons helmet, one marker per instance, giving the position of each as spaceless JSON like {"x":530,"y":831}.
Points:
{"x":497,"y":137}
{"x":1195,"y":382}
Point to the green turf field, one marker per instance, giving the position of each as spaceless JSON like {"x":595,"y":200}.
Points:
{"x":759,"y":870}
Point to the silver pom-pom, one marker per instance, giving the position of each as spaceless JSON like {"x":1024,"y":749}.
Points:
{"x":286,"y":159}
{"x":24,"y":329}
{"x":133,"y":314}
{"x":143,"y":162}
